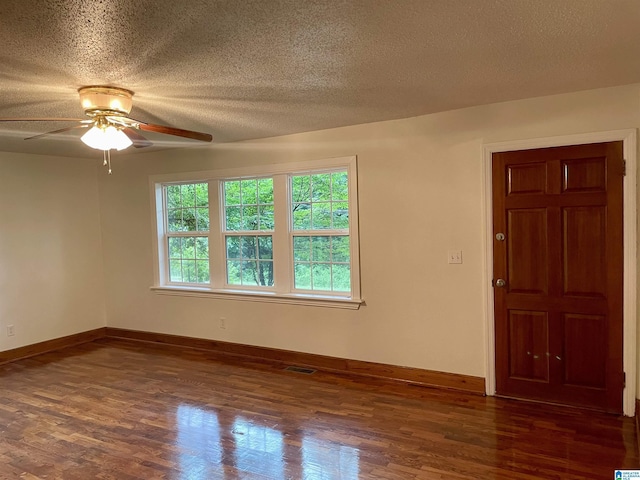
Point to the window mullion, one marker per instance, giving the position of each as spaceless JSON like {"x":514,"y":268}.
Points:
{"x":282,"y":261}
{"x":217,"y":266}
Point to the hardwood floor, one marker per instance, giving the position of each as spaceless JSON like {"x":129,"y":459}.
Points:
{"x":119,"y":409}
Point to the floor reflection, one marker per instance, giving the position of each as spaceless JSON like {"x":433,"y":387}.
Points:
{"x":258,"y":449}
{"x":199,"y":444}
{"x":216,"y":445}
{"x":328,"y":461}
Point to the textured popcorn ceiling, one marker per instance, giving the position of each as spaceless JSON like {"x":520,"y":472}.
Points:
{"x":242,"y":69}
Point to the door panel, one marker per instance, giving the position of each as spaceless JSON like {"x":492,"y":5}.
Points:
{"x":559,"y":314}
{"x":526,"y":178}
{"x":584,"y":351}
{"x":584,"y":175}
{"x":528,"y":339}
{"x":584,"y":251}
{"x":527,"y":250}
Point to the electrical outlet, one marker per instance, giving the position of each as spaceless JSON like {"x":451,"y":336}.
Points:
{"x":223,"y":323}
{"x":10,"y":331}
{"x":455,"y":256}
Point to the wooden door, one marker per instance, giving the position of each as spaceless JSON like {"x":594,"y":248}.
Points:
{"x":558,"y":316}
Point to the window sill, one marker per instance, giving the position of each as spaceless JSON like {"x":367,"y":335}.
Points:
{"x":266,"y":297}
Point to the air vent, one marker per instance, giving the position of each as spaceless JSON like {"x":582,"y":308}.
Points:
{"x":306,"y":371}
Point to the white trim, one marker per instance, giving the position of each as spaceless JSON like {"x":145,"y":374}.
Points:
{"x":266,"y":297}
{"x":256,"y":171}
{"x":628,"y":137}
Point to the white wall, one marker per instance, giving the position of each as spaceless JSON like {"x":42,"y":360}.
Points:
{"x":51,"y":276}
{"x":420,"y":182}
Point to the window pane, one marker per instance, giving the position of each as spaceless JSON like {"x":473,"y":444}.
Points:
{"x":234,"y":268}
{"x":202,"y":247}
{"x":173,"y":196}
{"x":266,"y":217}
{"x":188,"y":248}
{"x":248,"y":247}
{"x":249,"y":218}
{"x":249,"y":192}
{"x":233,"y":247}
{"x":188,"y":195}
{"x":175,"y":249}
{"x":175,"y":270}
{"x":340,"y":249}
{"x":341,"y":278}
{"x":249,"y":272}
{"x":302,"y":276}
{"x":301,"y":248}
{"x":202,"y":219}
{"x":340,"y":215}
{"x":232,"y":193}
{"x":320,"y":249}
{"x":302,"y":216}
{"x":189,"y":220}
{"x":202,"y":267}
{"x":202,"y":194}
{"x":265,"y":190}
{"x":265,"y":273}
{"x":189,"y":271}
{"x":174,"y":220}
{"x":321,"y":216}
{"x":339,"y":186}
{"x":232,"y":215}
{"x":265,"y":247}
{"x":321,"y":187}
{"x":321,"y":276}
{"x":301,"y":188}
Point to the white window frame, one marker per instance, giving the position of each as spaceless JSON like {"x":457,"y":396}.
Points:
{"x":283,"y":290}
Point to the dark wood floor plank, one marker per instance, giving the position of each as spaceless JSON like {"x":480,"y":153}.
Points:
{"x":120,"y":409}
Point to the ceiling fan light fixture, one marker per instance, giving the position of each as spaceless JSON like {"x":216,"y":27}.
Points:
{"x":106,"y":138}
{"x":96,"y":100}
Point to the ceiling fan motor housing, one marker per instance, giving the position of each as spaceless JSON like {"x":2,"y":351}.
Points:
{"x":100,"y":100}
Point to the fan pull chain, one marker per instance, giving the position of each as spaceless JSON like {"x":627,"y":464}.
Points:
{"x":106,"y":156}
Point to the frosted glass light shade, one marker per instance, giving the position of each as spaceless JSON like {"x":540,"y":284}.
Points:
{"x":106,"y":138}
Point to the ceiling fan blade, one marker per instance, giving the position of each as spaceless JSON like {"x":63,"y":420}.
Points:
{"x":56,"y":119}
{"x":138,"y":140}
{"x":150,"y":127}
{"x":53,"y":132}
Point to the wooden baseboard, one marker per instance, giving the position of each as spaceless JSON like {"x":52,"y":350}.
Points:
{"x":320,"y":362}
{"x":638,"y":424}
{"x":50,"y":345}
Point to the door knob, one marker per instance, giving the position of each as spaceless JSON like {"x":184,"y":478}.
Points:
{"x":500,"y":283}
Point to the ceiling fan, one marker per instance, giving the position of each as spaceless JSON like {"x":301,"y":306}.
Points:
{"x":109,"y":125}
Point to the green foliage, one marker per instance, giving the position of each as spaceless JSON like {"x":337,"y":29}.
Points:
{"x":322,"y":263}
{"x":320,"y":201}
{"x":339,"y":186}
{"x":321,"y":187}
{"x":232,"y":193}
{"x":249,"y":192}
{"x":189,"y":259}
{"x":249,"y":260}
{"x":249,"y":208}
{"x":188,"y":207}
{"x":249,"y":205}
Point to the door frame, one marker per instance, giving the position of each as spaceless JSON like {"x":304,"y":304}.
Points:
{"x":628,"y":138}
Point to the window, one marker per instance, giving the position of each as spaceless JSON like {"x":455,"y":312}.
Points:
{"x":248,"y":225}
{"x":285,"y":233}
{"x":320,"y":219}
{"x":187,"y":230}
